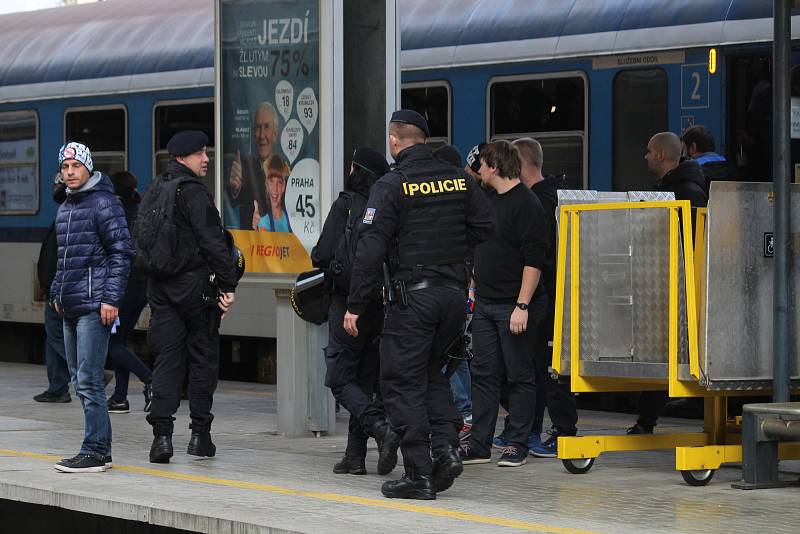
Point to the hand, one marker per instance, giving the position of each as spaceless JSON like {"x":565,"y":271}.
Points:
{"x":350,"y":324}
{"x":108,"y":314}
{"x":225,"y":301}
{"x":54,"y":305}
{"x":519,"y":321}
{"x":256,"y":215}
{"x":235,"y":179}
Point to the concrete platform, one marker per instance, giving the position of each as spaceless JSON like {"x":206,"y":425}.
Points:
{"x":260,"y":482}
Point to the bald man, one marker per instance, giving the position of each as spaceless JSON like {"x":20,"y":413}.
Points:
{"x":684,"y":177}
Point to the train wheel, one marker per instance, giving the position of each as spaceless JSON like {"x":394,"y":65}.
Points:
{"x":578,"y":466}
{"x":699,"y":477}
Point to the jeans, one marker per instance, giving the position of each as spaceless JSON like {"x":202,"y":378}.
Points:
{"x":461,"y":384}
{"x":54,"y":356}
{"x":502,"y":357}
{"x":86,"y":345}
{"x":124,"y":360}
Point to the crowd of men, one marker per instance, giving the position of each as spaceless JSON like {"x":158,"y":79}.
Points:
{"x":414,"y":254}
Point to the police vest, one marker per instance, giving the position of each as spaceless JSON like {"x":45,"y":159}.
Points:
{"x":433,"y":231}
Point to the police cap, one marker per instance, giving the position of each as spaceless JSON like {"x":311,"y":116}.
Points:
{"x":371,"y":160}
{"x":187,"y":142}
{"x":409,"y":116}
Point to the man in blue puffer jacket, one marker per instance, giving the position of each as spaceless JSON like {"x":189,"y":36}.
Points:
{"x":94,"y":259}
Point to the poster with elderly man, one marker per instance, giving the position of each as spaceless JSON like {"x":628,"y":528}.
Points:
{"x":270,"y":134}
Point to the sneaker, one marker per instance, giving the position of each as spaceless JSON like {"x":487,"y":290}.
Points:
{"x":148,"y":396}
{"x":499,"y":442}
{"x":546,"y":449}
{"x":118,"y":407}
{"x":82,"y":463}
{"x":468,"y":456}
{"x":639,"y":429}
{"x":465,"y":432}
{"x":108,"y":461}
{"x":49,"y":397}
{"x":535,"y":439}
{"x":513,"y":456}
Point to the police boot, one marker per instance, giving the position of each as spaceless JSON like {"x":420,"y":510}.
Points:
{"x":351,"y":466}
{"x":410,"y":486}
{"x":446,"y":467}
{"x":388,"y":442}
{"x":161,"y":449}
{"x":200,"y":443}
{"x":354,"y":454}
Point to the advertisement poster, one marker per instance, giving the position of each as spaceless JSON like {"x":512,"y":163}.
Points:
{"x":18,"y":178}
{"x":270,"y":133}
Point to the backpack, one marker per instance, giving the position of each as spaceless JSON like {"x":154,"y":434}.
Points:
{"x":158,"y":252}
{"x":345,"y":253}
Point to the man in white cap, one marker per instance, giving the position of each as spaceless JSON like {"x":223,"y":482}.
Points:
{"x":94,"y":257}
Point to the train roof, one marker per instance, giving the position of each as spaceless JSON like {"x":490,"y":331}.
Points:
{"x":107,"y":47}
{"x":120,"y":46}
{"x":454,"y":33}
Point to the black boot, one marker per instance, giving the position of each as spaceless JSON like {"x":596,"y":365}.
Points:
{"x":200,"y":444}
{"x":446,"y":467}
{"x":161,"y":449}
{"x":388,"y":442}
{"x":410,"y":486}
{"x":351,"y":466}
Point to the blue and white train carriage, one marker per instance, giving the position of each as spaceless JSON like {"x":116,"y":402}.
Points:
{"x":592,"y":81}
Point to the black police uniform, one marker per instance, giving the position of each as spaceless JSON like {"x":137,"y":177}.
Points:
{"x":427,"y":216}
{"x":184,"y":318}
{"x":353,"y":362}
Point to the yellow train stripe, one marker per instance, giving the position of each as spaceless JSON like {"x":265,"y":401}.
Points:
{"x":330,"y":497}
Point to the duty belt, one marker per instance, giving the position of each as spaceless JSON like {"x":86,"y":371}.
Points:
{"x":429,"y":283}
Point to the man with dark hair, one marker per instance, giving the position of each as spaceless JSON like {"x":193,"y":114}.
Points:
{"x":353,"y":362}
{"x":94,"y":257}
{"x":698,"y":144}
{"x":184,"y":323}
{"x":509,"y":306}
{"x":556,"y":397}
{"x":425,"y":217}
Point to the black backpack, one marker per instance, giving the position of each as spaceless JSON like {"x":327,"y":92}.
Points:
{"x":158,"y":253}
{"x":345,"y":252}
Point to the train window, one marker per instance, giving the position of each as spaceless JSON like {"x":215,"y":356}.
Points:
{"x":640,"y":110}
{"x":432,"y":101}
{"x":550,"y":108}
{"x":19,"y":163}
{"x":170,"y":118}
{"x":105,"y":131}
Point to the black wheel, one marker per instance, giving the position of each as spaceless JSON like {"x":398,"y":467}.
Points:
{"x":578,"y":466}
{"x":699,"y":477}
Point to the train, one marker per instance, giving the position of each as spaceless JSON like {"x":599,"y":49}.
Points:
{"x":591,"y":81}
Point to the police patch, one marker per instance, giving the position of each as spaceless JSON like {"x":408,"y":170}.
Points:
{"x":369,"y":215}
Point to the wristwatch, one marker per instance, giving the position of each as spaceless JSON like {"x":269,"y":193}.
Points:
{"x":522,"y":306}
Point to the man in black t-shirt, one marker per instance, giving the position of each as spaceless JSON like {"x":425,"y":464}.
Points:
{"x":509,"y":306}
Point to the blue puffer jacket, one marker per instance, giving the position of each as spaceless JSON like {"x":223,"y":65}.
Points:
{"x":94,"y":249}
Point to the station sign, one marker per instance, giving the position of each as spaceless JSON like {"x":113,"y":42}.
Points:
{"x":269,"y":87}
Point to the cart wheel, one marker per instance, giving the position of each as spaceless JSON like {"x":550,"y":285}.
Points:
{"x":578,"y":466}
{"x":699,"y":477}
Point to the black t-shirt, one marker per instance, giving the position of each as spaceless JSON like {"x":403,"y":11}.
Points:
{"x":520,"y":241}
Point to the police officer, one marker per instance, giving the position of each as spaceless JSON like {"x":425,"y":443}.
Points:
{"x":425,"y":216}
{"x":352,"y":362}
{"x":183,"y":325}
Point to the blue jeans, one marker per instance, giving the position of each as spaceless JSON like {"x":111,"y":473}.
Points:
{"x":461,"y":385}
{"x":54,"y":356}
{"x":124,"y":360}
{"x":86,"y":344}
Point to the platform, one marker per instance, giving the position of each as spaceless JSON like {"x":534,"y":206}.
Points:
{"x":260,"y":482}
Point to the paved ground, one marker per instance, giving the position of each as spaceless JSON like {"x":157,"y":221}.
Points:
{"x":260,"y":482}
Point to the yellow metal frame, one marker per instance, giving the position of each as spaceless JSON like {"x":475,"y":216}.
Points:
{"x":717,"y":443}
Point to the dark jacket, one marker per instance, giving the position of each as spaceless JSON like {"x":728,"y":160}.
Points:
{"x":687,"y":182}
{"x":547,"y":192}
{"x":137,"y":279}
{"x":385,"y":215}
{"x":94,"y":249}
{"x":717,"y":169}
{"x":48,"y":256}
{"x":200,"y":228}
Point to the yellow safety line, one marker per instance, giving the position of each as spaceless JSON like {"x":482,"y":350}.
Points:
{"x":331,"y":497}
